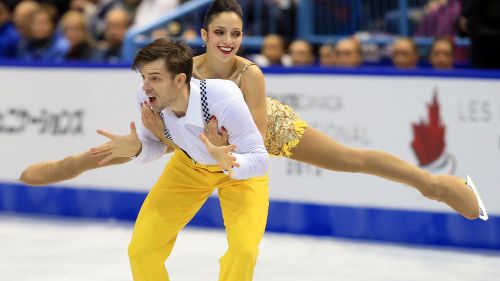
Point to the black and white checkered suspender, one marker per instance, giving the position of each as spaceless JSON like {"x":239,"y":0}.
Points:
{"x":204,"y":107}
{"x":166,"y":132}
{"x":204,"y":103}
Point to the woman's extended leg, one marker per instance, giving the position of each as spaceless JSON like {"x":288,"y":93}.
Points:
{"x":320,"y":150}
{"x":48,"y":172}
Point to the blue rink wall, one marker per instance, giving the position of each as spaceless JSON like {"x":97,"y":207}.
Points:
{"x":356,"y":107}
{"x":398,"y":226}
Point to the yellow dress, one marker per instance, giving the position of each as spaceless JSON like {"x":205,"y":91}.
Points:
{"x":284,"y":126}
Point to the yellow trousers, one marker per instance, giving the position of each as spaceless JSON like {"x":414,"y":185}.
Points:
{"x":173,"y":201}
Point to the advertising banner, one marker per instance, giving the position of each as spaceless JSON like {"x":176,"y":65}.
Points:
{"x":444,"y":125}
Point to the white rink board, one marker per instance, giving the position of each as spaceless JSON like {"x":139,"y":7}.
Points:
{"x":378,"y":113}
{"x":375,"y":112}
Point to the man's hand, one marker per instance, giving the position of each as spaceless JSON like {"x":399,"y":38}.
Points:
{"x":154,"y":123}
{"x":152,"y":120}
{"x":222,"y":154}
{"x":118,"y":146}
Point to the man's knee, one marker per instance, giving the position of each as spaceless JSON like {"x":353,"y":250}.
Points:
{"x":135,"y":250}
{"x":246,"y":253}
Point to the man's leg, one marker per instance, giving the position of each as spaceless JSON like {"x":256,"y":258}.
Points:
{"x":170,"y":205}
{"x":244,"y":207}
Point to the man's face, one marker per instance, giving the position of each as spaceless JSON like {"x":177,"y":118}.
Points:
{"x":116,"y":27}
{"x":75,"y":30}
{"x":42,"y":26}
{"x":22,"y":17}
{"x":158,"y":85}
{"x":327,"y":56}
{"x":348,"y":54}
{"x":404,"y":55}
{"x":273,"y":49}
{"x":442,"y":56}
{"x":301,"y":53}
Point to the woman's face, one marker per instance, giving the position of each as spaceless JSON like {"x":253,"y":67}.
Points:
{"x":224,"y":36}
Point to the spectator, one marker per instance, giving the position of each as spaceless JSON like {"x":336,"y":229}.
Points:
{"x":404,"y":53}
{"x":327,"y":55}
{"x":9,"y":36}
{"x":117,"y":24}
{"x":189,"y":33}
{"x":77,"y":33}
{"x":95,"y":12}
{"x":442,"y":54}
{"x":45,"y":44}
{"x":440,"y":18}
{"x":481,"y":21}
{"x":23,"y":13}
{"x":349,"y":53}
{"x":272,"y":52}
{"x":301,"y":53}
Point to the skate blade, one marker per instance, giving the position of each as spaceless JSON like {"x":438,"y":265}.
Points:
{"x":483,"y":214}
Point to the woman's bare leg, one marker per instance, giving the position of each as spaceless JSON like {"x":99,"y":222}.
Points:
{"x":49,"y":172}
{"x":320,"y":150}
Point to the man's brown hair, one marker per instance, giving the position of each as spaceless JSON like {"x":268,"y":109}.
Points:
{"x":177,"y":56}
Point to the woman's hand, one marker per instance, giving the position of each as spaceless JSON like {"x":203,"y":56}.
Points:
{"x":222,"y":154}
{"x":213,"y":135}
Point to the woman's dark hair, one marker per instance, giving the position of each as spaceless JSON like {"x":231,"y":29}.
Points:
{"x":221,"y":6}
{"x":177,"y":56}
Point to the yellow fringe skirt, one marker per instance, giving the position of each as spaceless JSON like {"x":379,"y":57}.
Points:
{"x":284,"y":128}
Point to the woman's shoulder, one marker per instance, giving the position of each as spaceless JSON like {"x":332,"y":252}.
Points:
{"x":244,"y":62}
{"x":248,"y":70}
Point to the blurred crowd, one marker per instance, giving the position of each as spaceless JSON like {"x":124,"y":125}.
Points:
{"x":442,"y":20}
{"x":76,"y":30}
{"x":348,"y":52}
{"x":94,"y":30}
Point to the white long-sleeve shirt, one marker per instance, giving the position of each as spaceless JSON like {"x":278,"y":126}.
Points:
{"x":226,"y":103}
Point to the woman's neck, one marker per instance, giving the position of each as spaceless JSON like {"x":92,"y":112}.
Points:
{"x":214,"y":68}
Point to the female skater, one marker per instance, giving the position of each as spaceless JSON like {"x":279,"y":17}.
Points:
{"x":284,"y":133}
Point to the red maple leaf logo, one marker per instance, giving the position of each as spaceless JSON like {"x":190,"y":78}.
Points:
{"x":428,"y":138}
